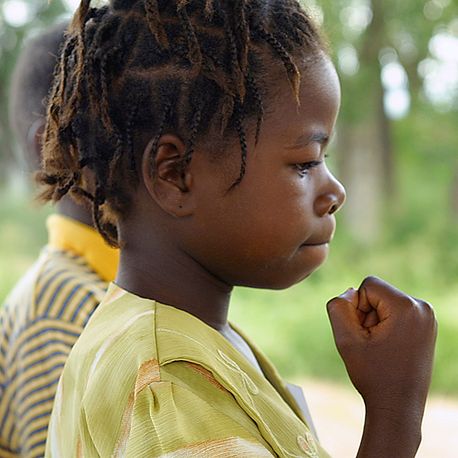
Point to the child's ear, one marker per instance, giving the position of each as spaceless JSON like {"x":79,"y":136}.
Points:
{"x":164,"y":179}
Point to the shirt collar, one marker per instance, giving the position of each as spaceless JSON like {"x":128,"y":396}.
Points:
{"x":70,"y":235}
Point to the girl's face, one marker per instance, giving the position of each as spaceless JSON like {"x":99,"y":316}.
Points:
{"x":274,"y":228}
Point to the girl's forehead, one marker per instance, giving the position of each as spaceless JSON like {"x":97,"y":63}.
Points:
{"x":319,"y":99}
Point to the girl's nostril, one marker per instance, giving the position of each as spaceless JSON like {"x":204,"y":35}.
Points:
{"x":333,"y":209}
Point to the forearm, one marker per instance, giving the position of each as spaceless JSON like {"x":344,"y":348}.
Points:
{"x":391,"y":433}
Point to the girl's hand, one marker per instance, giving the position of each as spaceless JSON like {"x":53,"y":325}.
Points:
{"x":386,"y":339}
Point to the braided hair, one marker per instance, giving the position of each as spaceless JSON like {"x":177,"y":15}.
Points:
{"x":133,"y":70}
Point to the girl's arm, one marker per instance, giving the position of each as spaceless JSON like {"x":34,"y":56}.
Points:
{"x":386,"y":339}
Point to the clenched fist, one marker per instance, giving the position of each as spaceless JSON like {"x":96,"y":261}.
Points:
{"x":386,"y":340}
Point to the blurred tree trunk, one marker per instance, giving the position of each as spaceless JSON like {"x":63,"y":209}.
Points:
{"x":454,"y":195}
{"x":366,"y":159}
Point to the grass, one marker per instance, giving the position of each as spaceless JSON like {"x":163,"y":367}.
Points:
{"x":419,"y":254}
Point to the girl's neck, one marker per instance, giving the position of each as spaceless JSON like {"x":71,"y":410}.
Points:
{"x":160,"y":272}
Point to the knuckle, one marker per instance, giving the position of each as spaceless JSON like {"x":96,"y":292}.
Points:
{"x":430,"y":313}
{"x":332,"y":304}
{"x":425,"y":307}
{"x":409,"y":302}
{"x":428,"y":307}
{"x":371,"y":280}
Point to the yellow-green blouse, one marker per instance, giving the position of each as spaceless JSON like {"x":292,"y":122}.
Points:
{"x":149,"y":380}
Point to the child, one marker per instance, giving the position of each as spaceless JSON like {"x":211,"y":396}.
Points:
{"x":203,"y":125}
{"x":48,"y":308}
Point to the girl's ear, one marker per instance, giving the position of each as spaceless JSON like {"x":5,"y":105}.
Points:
{"x":166,"y":183}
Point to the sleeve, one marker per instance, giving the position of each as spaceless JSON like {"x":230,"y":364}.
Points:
{"x":169,"y":420}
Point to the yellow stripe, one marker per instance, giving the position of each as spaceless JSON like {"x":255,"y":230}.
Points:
{"x":73,"y":280}
{"x":37,"y":410}
{"x":22,"y":345}
{"x":6,"y":454}
{"x":37,"y":356}
{"x":60,"y":297}
{"x":83,"y":313}
{"x":40,"y":423}
{"x":36,"y":384}
{"x":23,"y":389}
{"x":38,"y":451}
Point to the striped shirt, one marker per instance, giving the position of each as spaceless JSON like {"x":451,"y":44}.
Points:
{"x":39,"y":323}
{"x":147,"y":380}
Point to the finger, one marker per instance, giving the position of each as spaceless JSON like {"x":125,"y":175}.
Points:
{"x":364,"y":304}
{"x":351,"y":295}
{"x":343,"y":315}
{"x":371,"y":319}
{"x":381,"y":296}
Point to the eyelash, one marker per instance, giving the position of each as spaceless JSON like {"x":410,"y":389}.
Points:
{"x":304,"y":167}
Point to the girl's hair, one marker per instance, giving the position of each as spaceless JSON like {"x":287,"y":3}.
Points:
{"x":134,"y":70}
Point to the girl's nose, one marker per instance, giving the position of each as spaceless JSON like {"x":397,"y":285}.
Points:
{"x":331,"y":200}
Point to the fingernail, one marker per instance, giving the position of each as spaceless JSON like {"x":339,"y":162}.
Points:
{"x":348,"y":293}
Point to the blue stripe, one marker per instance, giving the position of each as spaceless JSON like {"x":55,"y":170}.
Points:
{"x":45,"y":316}
{"x":28,"y":325}
{"x":35,"y":418}
{"x":88,"y":317}
{"x":44,"y":401}
{"x":10,"y":450}
{"x":56,"y":292}
{"x":68,"y":299}
{"x":35,"y":404}
{"x":83,"y":301}
{"x":37,"y":444}
{"x":15,"y":392}
{"x":37,"y":431}
{"x":54,"y":341}
{"x":38,"y":361}
{"x":7,"y":338}
{"x":46,"y":286}
{"x":39,"y":333}
{"x":40,"y":388}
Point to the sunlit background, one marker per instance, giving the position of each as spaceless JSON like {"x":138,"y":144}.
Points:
{"x":395,"y":149}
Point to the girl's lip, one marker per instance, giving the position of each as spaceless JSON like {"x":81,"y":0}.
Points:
{"x":326,"y":242}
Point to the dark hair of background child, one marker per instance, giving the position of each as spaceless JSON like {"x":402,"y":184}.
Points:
{"x":134,"y":70}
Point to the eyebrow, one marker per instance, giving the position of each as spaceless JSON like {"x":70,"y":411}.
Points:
{"x":305,"y":139}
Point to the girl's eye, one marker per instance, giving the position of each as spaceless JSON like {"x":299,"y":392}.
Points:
{"x":304,"y":167}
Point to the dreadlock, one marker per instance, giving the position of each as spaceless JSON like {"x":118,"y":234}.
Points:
{"x":135,"y":69}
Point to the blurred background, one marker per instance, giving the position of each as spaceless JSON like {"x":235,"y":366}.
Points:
{"x":395,"y":150}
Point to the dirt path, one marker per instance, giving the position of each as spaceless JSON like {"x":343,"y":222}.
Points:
{"x":338,"y":414}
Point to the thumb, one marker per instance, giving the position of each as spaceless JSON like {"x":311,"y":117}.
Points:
{"x":343,"y":314}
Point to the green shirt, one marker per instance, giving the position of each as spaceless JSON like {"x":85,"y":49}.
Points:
{"x":149,"y":380}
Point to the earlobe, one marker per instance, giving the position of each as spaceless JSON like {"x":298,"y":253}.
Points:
{"x":163,"y":177}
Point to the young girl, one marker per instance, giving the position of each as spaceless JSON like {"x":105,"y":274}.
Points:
{"x":197,"y":131}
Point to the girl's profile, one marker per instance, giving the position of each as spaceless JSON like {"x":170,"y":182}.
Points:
{"x":196,"y":131}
